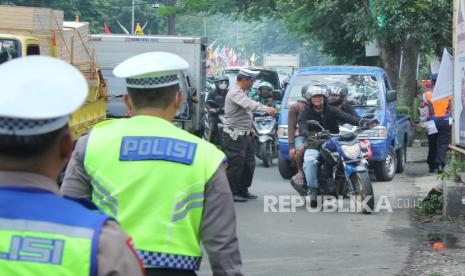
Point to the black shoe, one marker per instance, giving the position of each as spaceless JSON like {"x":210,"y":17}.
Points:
{"x":301,"y":189}
{"x":440,"y":169}
{"x":239,"y":198}
{"x":249,"y":195}
{"x":433,"y":170}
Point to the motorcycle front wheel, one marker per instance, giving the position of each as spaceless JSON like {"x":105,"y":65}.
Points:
{"x":364,"y":191}
{"x":265,"y":154}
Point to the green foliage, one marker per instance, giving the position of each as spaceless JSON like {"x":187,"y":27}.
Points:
{"x":268,"y":36}
{"x":431,"y":205}
{"x":403,"y":109}
{"x":98,"y":11}
{"x":337,"y":28}
{"x":455,"y":166}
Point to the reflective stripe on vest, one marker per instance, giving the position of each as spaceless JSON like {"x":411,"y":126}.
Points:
{"x":46,"y":234}
{"x":151,"y":175}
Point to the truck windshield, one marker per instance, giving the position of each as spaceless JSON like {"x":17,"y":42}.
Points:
{"x":9,"y":49}
{"x":363,"y":89}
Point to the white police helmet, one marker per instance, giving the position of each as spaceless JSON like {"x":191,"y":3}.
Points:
{"x":38,"y":95}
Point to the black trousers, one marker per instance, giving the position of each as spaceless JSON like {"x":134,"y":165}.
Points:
{"x":443,"y":141}
{"x":241,"y":162}
{"x":169,"y":272}
{"x":432,"y":150}
{"x":438,"y":144}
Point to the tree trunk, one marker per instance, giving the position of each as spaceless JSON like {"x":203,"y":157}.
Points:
{"x":408,"y":79}
{"x":390,"y":57}
{"x":171,"y":25}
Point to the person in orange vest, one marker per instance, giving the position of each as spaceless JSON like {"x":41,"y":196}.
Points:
{"x":438,"y":143}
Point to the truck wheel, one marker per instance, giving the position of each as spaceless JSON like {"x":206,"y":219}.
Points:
{"x":386,"y":170}
{"x":401,"y":159}
{"x":286,"y":170}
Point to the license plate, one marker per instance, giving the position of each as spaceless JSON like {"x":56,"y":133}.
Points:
{"x":260,"y":119}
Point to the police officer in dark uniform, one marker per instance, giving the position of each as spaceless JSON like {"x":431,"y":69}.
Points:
{"x":237,"y":140}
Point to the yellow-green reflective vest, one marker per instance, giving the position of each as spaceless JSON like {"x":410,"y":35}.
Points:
{"x":151,"y":176}
{"x":44,"y":234}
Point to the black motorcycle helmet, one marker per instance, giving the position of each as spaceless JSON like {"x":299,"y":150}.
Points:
{"x":338,"y":93}
{"x":222,"y":83}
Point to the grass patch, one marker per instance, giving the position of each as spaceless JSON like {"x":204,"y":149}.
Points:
{"x":431,"y":205}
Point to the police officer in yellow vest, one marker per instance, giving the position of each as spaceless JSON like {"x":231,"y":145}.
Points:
{"x":166,"y":187}
{"x":41,"y":232}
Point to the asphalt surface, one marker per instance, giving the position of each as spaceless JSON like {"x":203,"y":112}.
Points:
{"x":306,"y":243}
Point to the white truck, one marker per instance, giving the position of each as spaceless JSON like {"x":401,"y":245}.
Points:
{"x":112,"y":49}
{"x":284,"y":64}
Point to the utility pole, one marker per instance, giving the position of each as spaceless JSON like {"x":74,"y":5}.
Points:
{"x":132,"y":21}
{"x":172,"y":24}
{"x":204,"y":24}
{"x":172,"y":20}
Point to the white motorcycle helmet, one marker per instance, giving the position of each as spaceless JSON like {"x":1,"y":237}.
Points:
{"x":309,"y":91}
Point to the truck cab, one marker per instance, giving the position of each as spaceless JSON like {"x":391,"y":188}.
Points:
{"x":369,"y":88}
{"x":14,"y":46}
{"x":93,"y":111}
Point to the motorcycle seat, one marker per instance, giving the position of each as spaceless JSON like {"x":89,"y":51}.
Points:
{"x":348,"y":136}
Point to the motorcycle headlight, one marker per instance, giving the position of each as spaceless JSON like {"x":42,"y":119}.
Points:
{"x":282,"y":131}
{"x":263,"y":128}
{"x":376,"y":133}
{"x":352,"y":151}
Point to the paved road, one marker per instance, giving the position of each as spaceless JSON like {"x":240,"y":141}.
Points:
{"x":303,"y":243}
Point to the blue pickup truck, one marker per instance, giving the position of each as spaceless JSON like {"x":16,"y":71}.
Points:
{"x":369,"y":88}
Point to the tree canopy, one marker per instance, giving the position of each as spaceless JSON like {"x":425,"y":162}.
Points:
{"x":339,"y":28}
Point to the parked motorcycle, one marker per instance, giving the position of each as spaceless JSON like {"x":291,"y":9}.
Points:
{"x":346,"y":156}
{"x":266,"y":141}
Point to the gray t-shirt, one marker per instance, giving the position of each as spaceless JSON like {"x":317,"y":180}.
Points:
{"x":238,"y":109}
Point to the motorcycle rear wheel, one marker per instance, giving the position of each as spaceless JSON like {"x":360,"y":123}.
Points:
{"x":364,"y":189}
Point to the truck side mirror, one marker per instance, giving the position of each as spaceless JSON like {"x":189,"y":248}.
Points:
{"x":277,"y":95}
{"x":391,"y":96}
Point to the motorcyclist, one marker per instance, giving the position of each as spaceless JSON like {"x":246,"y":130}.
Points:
{"x":218,"y":96}
{"x":265,"y":95}
{"x":329,"y":117}
{"x":337,"y":95}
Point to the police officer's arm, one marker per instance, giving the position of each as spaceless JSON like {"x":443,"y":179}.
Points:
{"x":116,"y":255}
{"x":239,"y":98}
{"x":344,"y":117}
{"x":218,"y":227}
{"x":76,"y":182}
